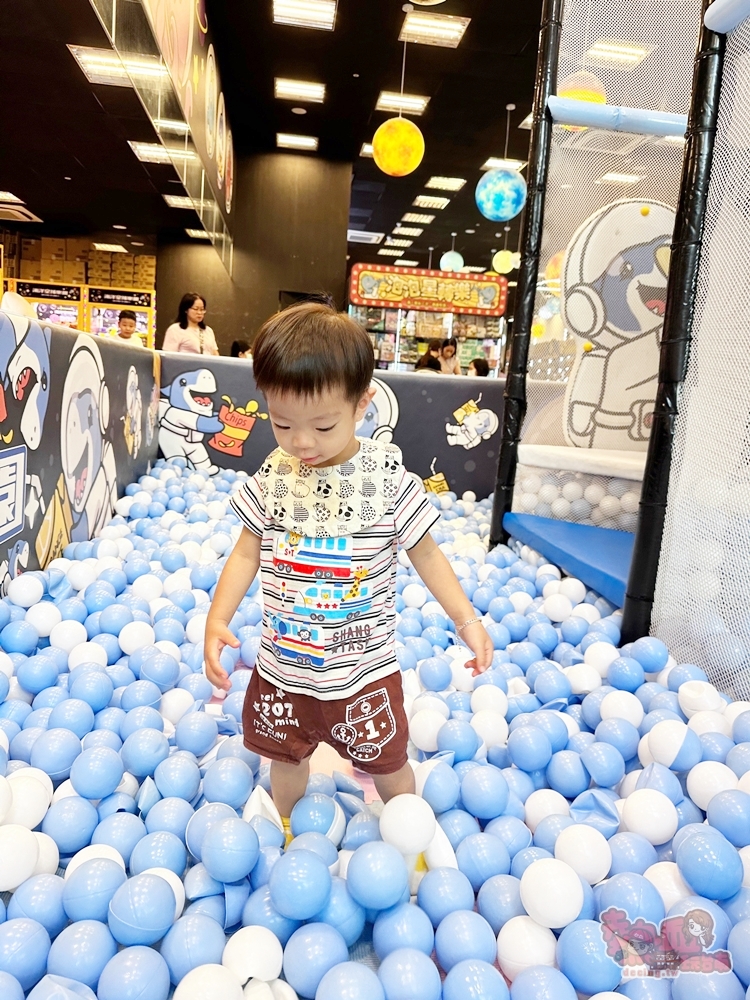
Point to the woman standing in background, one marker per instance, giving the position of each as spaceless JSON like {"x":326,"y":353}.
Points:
{"x":449,"y":364}
{"x":189,"y":333}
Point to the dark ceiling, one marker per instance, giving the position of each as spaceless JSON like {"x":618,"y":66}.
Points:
{"x":56,"y":125}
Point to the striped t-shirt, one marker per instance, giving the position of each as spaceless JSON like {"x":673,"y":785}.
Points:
{"x":329,"y":600}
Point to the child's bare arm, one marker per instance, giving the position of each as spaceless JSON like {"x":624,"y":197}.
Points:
{"x":237,"y":575}
{"x":437,"y":574}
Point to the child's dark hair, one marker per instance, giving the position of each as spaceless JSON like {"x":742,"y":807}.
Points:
{"x":126,"y":314}
{"x":309,"y":348}
{"x":481,"y":367}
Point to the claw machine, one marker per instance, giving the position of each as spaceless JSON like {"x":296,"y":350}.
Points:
{"x":103,"y":305}
{"x":53,"y":302}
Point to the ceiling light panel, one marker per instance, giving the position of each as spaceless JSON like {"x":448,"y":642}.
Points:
{"x":106,"y":67}
{"x":408,"y":263}
{"x":407,"y":230}
{"x":410,"y":104}
{"x":299,"y":90}
{"x":8,"y":196}
{"x":284,"y":140}
{"x":446,"y":183}
{"x":319,"y":14}
{"x":498,"y":163}
{"x":527,"y":122}
{"x":366,"y":149}
{"x":391,"y":242}
{"x":178,"y":200}
{"x":197,"y":234}
{"x":110,"y":247}
{"x":615,"y":178}
{"x":361,"y":236}
{"x":154,"y":152}
{"x":424,"y":220}
{"x":171,"y":125}
{"x":430,"y":201}
{"x":433,"y":29}
{"x":391,"y":253}
{"x":472,"y":269}
{"x":613,"y":51}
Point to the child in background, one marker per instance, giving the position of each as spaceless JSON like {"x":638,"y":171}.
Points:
{"x":478,"y":368}
{"x":126,"y":328}
{"x":323,"y":518}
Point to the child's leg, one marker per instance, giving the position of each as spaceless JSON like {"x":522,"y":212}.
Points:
{"x":288,"y":784}
{"x":398,"y":783}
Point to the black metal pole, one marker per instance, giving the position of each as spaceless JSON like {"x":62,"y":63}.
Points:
{"x":678,"y":324}
{"x":531,"y":242}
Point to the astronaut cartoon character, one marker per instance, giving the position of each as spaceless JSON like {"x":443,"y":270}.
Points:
{"x":472,"y":425}
{"x":614,"y":293}
{"x":186,"y":414}
{"x":133,"y":413}
{"x":24,"y":380}
{"x":88,"y":458}
{"x":381,"y":416}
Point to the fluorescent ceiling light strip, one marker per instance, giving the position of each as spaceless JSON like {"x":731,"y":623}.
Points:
{"x":299,"y":90}
{"x":433,"y":29}
{"x":430,"y":201}
{"x":154,"y":152}
{"x":446,"y":183}
{"x":171,"y":125}
{"x":473,"y":269}
{"x":400,"y":230}
{"x":7,"y":196}
{"x":319,"y":14}
{"x":413,"y":104}
{"x":418,"y":217}
{"x":285,"y":140}
{"x":498,"y":163}
{"x":391,"y":242}
{"x":366,"y":149}
{"x":106,"y":67}
{"x":110,"y":247}
{"x":178,"y":200}
{"x":391,"y":253}
{"x":198,"y":234}
{"x":408,"y":263}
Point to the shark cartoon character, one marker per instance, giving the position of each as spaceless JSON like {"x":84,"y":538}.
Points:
{"x":24,"y":380}
{"x":614,"y":293}
{"x":88,"y":458}
{"x":15,"y":564}
{"x":186,"y":414}
{"x":133,"y":413}
{"x":381,"y":416}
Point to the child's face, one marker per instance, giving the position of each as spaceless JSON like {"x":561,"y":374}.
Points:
{"x":319,"y":430}
{"x":126,"y":328}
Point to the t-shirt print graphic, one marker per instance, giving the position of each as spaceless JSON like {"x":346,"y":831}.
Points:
{"x":369,"y":726}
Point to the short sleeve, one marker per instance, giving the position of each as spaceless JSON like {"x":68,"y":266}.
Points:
{"x":171,"y":339}
{"x":413,"y":512}
{"x":249,"y":506}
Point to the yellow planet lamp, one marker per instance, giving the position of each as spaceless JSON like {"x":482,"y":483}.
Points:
{"x":582,"y":86}
{"x":503,"y":261}
{"x":398,"y":147}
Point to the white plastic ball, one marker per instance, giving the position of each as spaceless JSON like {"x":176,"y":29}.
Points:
{"x":551,"y":588}
{"x":644,"y":750}
{"x":427,"y":700}
{"x":735,"y":709}
{"x":542,"y":803}
{"x":43,"y":616}
{"x":699,"y":696}
{"x":650,"y":813}
{"x":487,"y":697}
{"x":81,"y":575}
{"x":560,"y":508}
{"x":414,"y":595}
{"x":175,"y":703}
{"x":708,"y":779}
{"x":622,"y":705}
{"x":123,"y":505}
{"x":209,"y":981}
{"x":490,"y":727}
{"x":94,"y":852}
{"x":572,"y":491}
{"x":558,"y":607}
{"x":588,"y":612}
{"x":407,"y":823}
{"x":583,"y":678}
{"x":599,"y":655}
{"x":424,"y":728}
{"x":196,"y":628}
{"x":68,"y":634}
{"x":30,"y":801}
{"x":551,"y":892}
{"x":523,"y":943}
{"x":531,"y":484}
{"x":587,"y":852}
{"x":135,"y":635}
{"x":710,"y":722}
{"x":254,"y":953}
{"x":594,"y":494}
{"x":548,"y":493}
{"x":520,"y":601}
{"x":19,"y":854}
{"x":469,"y":495}
{"x":49,"y":856}
{"x":25,"y":590}
{"x":629,"y":502}
{"x":87,"y":652}
{"x":665,"y":877}
{"x":573,"y":589}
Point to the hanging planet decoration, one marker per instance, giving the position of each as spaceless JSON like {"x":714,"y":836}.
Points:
{"x":501,"y":194}
{"x":398,"y":147}
{"x":503,"y":261}
{"x":582,"y":86}
{"x":451,"y":261}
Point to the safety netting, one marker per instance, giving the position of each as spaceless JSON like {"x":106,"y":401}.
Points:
{"x":702,"y":601}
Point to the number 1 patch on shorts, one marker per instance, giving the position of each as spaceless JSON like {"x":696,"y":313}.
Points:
{"x":369,"y":726}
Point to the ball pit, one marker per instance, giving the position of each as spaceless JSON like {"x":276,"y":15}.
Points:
{"x":141,"y":852}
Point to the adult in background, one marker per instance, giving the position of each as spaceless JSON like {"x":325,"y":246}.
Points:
{"x":448,"y":361}
{"x":189,"y":333}
{"x":430,"y":360}
{"x":241,"y":349}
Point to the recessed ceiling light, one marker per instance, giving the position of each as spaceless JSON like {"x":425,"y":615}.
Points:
{"x":285,"y":140}
{"x":178,"y":200}
{"x":411,"y":104}
{"x":472,"y":269}
{"x":626,"y":55}
{"x":366,"y":149}
{"x":391,"y":253}
{"x":136,"y":243}
{"x":527,"y":122}
{"x":7,"y":196}
{"x":110,"y":247}
{"x":299,"y":90}
{"x":154,"y":152}
{"x":470,"y":231}
{"x":400,"y":230}
{"x":408,"y":263}
{"x":615,"y":178}
{"x":433,"y":29}
{"x":498,"y":163}
{"x":306,"y":13}
{"x":360,"y":236}
{"x":391,"y":242}
{"x":418,"y":217}
{"x":171,"y":125}
{"x":198,"y":234}
{"x":107,"y":67}
{"x":299,"y":111}
{"x":430,"y":201}
{"x":446,"y":183}
{"x":119,"y":227}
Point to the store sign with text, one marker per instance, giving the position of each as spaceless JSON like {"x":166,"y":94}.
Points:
{"x":428,"y":291}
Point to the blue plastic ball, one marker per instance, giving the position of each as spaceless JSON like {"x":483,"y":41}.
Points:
{"x":178,"y":776}
{"x":143,"y":751}
{"x":350,"y":979}
{"x":230,"y":850}
{"x":88,"y":890}
{"x":81,"y":952}
{"x":192,"y":940}
{"x":142,"y":910}
{"x":40,"y":898}
{"x":480,"y":856}
{"x":443,"y":890}
{"x":484,"y":792}
{"x":408,"y":974}
{"x":377,"y":876}
{"x":403,"y":926}
{"x":260,"y":910}
{"x":71,"y":822}
{"x":310,"y":953}
{"x":541,"y":982}
{"x":710,"y":864}
{"x":136,"y":973}
{"x":196,"y":732}
{"x":462,"y":935}
{"x":300,"y":885}
{"x":121,"y":830}
{"x":529,"y":748}
{"x":499,"y":900}
{"x":24,"y":947}
{"x":583,"y":959}
{"x":95,"y":774}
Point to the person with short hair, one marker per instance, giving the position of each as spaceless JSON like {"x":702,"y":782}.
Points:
{"x":478,"y":368}
{"x":323,"y":518}
{"x":127,"y":328}
{"x":240,"y":349}
{"x":189,"y":333}
{"x":449,"y":363}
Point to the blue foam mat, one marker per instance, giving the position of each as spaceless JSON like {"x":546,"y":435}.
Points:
{"x":600,"y":557}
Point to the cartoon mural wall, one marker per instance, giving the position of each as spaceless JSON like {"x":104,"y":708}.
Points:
{"x":72,"y":428}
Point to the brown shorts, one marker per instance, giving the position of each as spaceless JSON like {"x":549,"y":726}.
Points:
{"x":368,"y":727}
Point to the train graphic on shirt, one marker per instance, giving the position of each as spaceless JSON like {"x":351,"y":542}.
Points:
{"x":298,"y":642}
{"x":323,"y":558}
{"x":326,"y":602}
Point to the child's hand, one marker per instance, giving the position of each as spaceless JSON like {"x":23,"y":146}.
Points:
{"x":217,"y":637}
{"x":480,"y":644}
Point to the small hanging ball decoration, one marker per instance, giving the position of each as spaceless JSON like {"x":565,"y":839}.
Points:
{"x":588,"y":346}
{"x":501,"y":194}
{"x":398,"y":147}
{"x":582,"y":86}
{"x":537,"y":330}
{"x":516,"y":260}
{"x":645,"y":210}
{"x":451,"y":261}
{"x":502,"y":262}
